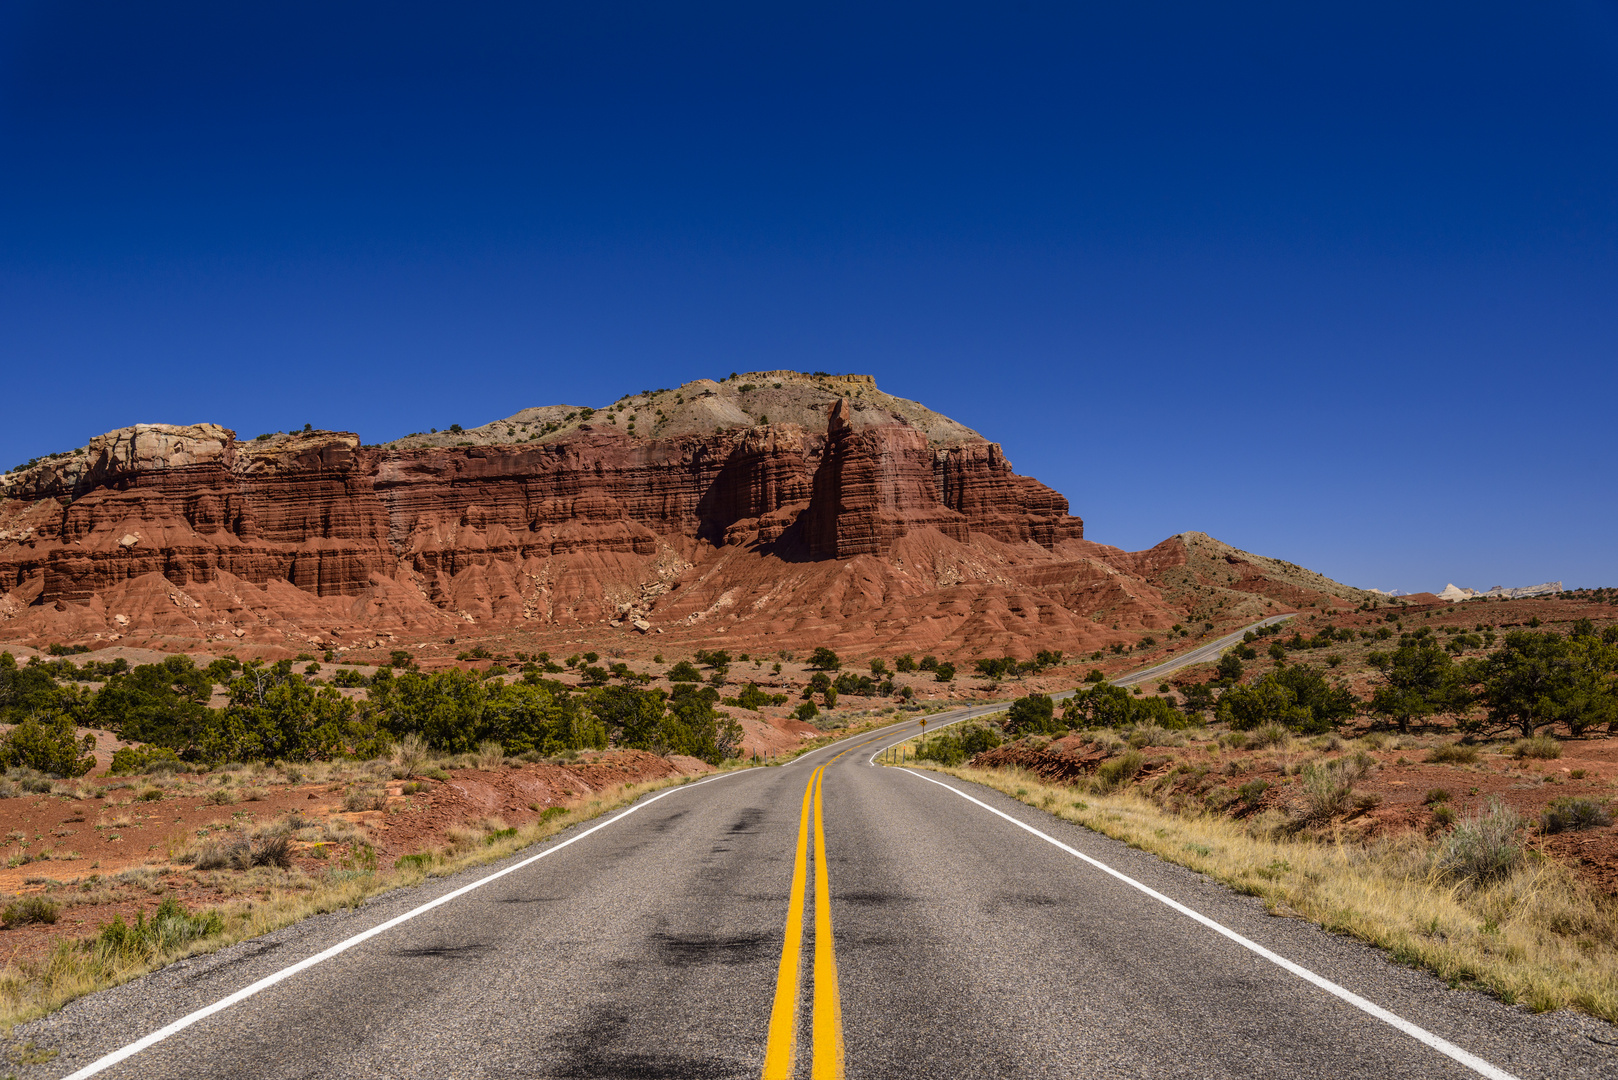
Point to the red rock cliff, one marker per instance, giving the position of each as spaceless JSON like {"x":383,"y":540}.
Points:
{"x":579,"y":528}
{"x":873,"y":486}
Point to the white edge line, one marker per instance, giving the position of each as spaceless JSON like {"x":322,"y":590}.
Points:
{"x":109,"y":1060}
{"x":1443,"y":1046}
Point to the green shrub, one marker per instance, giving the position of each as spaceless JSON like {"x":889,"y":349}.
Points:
{"x":1120,"y":770}
{"x":169,"y":927}
{"x":1034,"y":714}
{"x":943,"y":749}
{"x":1106,"y":705}
{"x":1252,"y":791}
{"x":1435,"y":796}
{"x":48,"y":745}
{"x":144,"y":759}
{"x":29,"y":909}
{"x":1443,"y":816}
{"x":1570,"y":813}
{"x":1299,"y":698}
{"x":1452,"y":754}
{"x":955,"y":747}
{"x":1544,"y":747}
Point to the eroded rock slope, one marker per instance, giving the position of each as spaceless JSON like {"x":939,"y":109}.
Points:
{"x":845,"y":516}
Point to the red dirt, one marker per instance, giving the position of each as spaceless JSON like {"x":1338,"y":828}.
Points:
{"x":84,"y":849}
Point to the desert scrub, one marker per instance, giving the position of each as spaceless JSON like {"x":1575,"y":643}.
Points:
{"x":1267,"y":736}
{"x":1537,"y":936}
{"x":1571,"y":813}
{"x":365,"y":798}
{"x":410,"y":756}
{"x":1119,"y":770}
{"x":1543,"y":747}
{"x":1452,"y":754}
{"x":241,"y":853}
{"x":1483,"y":847}
{"x":32,"y":988}
{"x":30,"y":909}
{"x":1328,"y":788}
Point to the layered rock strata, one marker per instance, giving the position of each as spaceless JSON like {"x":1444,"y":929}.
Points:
{"x":881,"y":527}
{"x":330,"y":517}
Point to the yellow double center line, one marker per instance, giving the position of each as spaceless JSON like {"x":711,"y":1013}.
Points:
{"x":827,"y":1025}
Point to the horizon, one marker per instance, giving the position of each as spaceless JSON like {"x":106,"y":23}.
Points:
{"x":1334,"y":288}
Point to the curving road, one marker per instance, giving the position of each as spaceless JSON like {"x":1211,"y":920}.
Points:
{"x":937,"y":929}
{"x":1202,"y":654}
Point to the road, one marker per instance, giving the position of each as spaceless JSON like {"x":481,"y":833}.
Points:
{"x":1204,"y":653}
{"x":825,"y":918}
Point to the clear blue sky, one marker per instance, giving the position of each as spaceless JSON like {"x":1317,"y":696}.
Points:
{"x":1339,"y":286}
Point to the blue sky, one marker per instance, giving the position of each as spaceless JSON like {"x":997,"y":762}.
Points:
{"x":1336,"y":285}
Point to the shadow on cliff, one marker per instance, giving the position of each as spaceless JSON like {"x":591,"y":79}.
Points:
{"x":792,"y":546}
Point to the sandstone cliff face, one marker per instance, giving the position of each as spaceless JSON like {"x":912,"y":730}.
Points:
{"x":873,"y":486}
{"x":976,"y":481}
{"x":599,"y":525}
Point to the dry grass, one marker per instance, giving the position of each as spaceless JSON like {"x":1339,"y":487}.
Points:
{"x":490,"y":755}
{"x":411,"y":754}
{"x":1543,"y":747}
{"x":1534,"y":935}
{"x":29,"y":989}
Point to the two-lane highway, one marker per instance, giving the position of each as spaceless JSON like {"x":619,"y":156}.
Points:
{"x":831,"y":917}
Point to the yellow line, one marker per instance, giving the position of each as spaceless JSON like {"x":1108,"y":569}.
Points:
{"x":784,"y":1013}
{"x":828,"y":1016}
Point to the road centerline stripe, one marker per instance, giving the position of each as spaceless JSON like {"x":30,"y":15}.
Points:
{"x":828,"y":1015}
{"x":1420,"y":1034}
{"x":784,"y":1012}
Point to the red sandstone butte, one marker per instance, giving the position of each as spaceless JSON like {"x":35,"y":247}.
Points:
{"x":865,"y":532}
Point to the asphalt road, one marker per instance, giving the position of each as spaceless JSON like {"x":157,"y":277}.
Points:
{"x":1200,"y":655}
{"x":938,"y":939}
